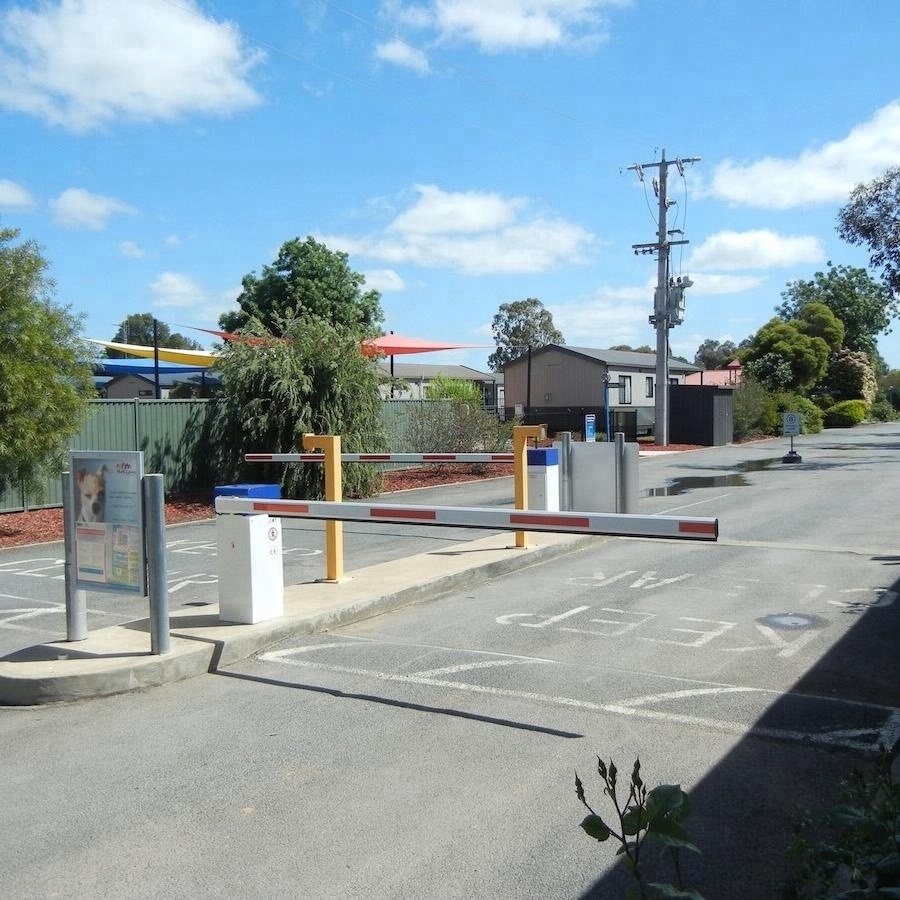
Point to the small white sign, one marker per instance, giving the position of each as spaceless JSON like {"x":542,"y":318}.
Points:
{"x":790,"y":423}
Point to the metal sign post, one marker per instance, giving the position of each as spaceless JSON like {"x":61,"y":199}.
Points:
{"x":76,"y":599}
{"x":153,"y":487}
{"x":791,"y":425}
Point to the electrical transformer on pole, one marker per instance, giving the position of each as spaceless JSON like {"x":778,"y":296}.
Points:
{"x":668,"y":299}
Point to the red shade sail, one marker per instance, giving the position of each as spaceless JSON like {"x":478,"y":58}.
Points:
{"x":386,"y":345}
{"x":395,"y":344}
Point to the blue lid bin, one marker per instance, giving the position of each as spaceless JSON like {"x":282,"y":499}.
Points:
{"x":543,"y":478}
{"x":254,"y":491}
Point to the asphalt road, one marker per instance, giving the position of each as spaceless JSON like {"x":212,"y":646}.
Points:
{"x":430,"y":752}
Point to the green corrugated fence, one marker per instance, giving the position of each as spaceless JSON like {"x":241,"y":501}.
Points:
{"x":172,"y":434}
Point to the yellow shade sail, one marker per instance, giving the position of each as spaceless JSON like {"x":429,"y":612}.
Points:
{"x":166,"y":354}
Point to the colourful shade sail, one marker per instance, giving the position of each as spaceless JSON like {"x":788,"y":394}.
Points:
{"x":201,"y":358}
{"x":395,"y":345}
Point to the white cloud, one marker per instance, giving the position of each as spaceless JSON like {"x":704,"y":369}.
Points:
{"x":474,"y":233}
{"x":78,"y":208}
{"x":172,"y":240}
{"x":741,"y":250}
{"x":384,"y":281}
{"x":172,"y":289}
{"x":499,"y":25}
{"x":14,"y":196}
{"x":612,"y":316}
{"x":131,"y":249}
{"x":440,"y":212}
{"x":81,"y":63}
{"x":708,"y":284}
{"x":402,"y":54}
{"x":819,"y":175}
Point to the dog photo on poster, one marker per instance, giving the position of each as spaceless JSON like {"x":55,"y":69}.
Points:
{"x":109,"y":535}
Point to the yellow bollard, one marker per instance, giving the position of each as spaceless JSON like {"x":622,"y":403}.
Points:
{"x":521,"y":434}
{"x":330,"y":445}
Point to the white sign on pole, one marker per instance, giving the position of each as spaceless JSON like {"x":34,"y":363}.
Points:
{"x":109,"y":520}
{"x":790,"y":423}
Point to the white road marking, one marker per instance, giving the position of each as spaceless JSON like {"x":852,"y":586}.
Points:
{"x":544,"y":620}
{"x":649,"y":580}
{"x":176,"y":586}
{"x":706,"y":635}
{"x":645,"y":580}
{"x":36,"y":571}
{"x":673,"y":509}
{"x":624,"y":626}
{"x":598,"y":579}
{"x":636,"y":707}
{"x":469,"y":667}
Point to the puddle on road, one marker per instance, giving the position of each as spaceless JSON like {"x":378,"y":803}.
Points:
{"x":678,"y":486}
{"x":791,"y":621}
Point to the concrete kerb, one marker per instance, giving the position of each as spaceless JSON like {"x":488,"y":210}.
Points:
{"x":117,"y":659}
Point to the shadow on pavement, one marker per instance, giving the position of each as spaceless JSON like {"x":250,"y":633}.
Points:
{"x":744,"y":811}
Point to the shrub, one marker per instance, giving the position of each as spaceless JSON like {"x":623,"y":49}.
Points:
{"x":882,"y":410}
{"x":852,"y":851}
{"x":447,"y":426}
{"x":749,"y":406}
{"x":846,"y":414}
{"x":777,"y":404}
{"x":657,"y":815}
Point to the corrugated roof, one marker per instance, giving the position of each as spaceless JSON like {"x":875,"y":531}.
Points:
{"x":629,"y":358}
{"x":416,"y":371}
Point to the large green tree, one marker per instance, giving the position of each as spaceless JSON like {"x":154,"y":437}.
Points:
{"x":518,"y":326}
{"x":861,"y":303}
{"x":782,"y":355}
{"x":308,"y":279}
{"x":138,"y":329}
{"x":712,"y":354}
{"x":45,"y":378}
{"x":872,"y":217}
{"x":312,"y":378}
{"x":817,"y":320}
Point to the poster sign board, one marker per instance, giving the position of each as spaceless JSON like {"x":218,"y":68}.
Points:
{"x":790,"y":423}
{"x":109,"y":520}
{"x":590,"y":427}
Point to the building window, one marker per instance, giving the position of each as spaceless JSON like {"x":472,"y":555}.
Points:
{"x":673,"y":381}
{"x":624,"y":389}
{"x":648,"y":386}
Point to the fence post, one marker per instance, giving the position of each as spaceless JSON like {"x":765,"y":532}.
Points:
{"x":330,"y":445}
{"x":521,"y":434}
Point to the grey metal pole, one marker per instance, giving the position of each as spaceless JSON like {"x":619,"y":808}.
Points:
{"x":628,"y":472}
{"x":76,"y":600}
{"x":565,"y":471}
{"x":660,"y":312}
{"x":155,"y":535}
{"x":620,"y":472}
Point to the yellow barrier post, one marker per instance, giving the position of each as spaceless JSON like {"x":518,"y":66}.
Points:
{"x":330,"y":445}
{"x":521,"y":434}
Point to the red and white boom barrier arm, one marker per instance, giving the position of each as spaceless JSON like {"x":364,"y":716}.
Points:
{"x":384,"y":457}
{"x":696,"y":529}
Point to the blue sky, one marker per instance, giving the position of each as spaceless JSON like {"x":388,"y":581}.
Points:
{"x":465,"y":153}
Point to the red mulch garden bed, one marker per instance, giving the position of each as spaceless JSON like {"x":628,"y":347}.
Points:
{"x":42,"y":525}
